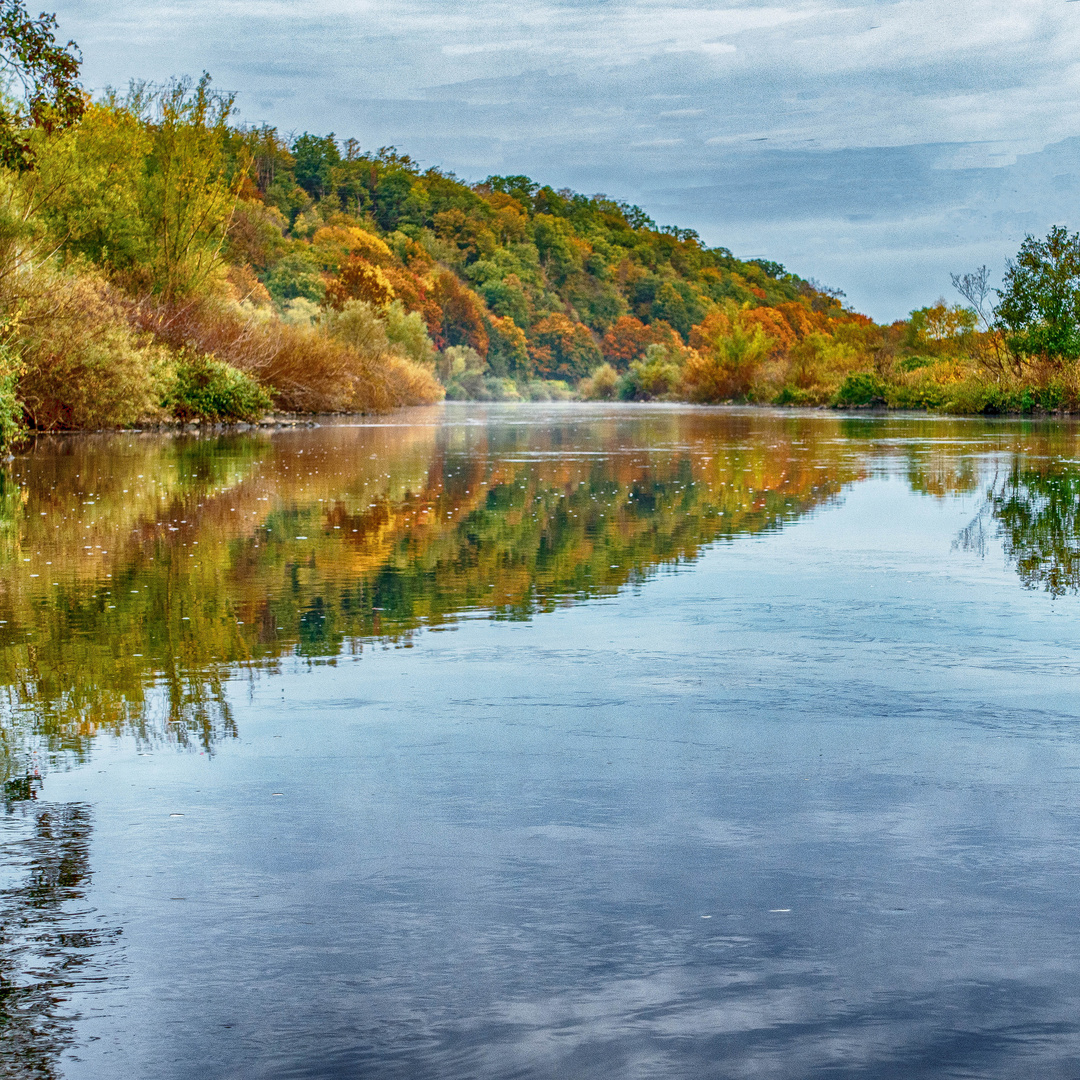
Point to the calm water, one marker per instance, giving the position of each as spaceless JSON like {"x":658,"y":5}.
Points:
{"x":540,"y":741}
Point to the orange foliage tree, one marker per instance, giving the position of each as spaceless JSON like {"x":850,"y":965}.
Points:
{"x":462,"y":321}
{"x":562,"y":349}
{"x":628,"y":338}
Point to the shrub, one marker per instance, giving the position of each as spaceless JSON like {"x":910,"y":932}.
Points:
{"x":914,"y":363}
{"x":820,"y":361}
{"x":296,"y":275}
{"x":861,"y":388}
{"x":305,"y":369}
{"x":11,"y":409}
{"x":357,"y":323}
{"x":794,"y":395}
{"x":207,"y":389}
{"x":601,"y":385}
{"x":84,"y":366}
{"x":728,"y":368}
{"x":548,"y":390}
{"x":923,"y":393}
{"x":655,"y":376}
{"x":300,"y":312}
{"x":407,"y":330}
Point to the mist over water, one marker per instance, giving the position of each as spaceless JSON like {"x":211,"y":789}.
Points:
{"x":543,"y":741}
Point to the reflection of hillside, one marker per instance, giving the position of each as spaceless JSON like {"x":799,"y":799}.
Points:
{"x":139,"y":572}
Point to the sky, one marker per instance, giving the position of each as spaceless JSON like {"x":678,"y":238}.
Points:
{"x":876,"y":147}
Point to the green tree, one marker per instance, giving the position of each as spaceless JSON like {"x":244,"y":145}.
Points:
{"x":47,"y":74}
{"x":1039,"y":307}
{"x":191,"y":182}
{"x":315,"y":157}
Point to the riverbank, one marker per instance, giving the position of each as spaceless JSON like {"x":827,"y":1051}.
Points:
{"x":160,"y":264}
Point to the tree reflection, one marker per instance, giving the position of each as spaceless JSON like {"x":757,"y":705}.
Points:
{"x":1035,"y":511}
{"x":45,"y":946}
{"x":139,"y":573}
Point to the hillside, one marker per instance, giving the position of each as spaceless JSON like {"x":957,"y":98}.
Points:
{"x":160,"y":262}
{"x":521,"y":283}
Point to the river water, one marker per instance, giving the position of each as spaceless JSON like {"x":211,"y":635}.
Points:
{"x":543,"y":741}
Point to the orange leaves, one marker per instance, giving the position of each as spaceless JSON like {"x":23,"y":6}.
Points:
{"x":628,"y":338}
{"x":462,"y":315}
{"x":773,"y":323}
{"x":562,"y":349}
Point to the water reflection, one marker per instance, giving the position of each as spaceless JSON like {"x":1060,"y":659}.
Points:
{"x":1035,"y":511}
{"x":46,"y":946}
{"x":140,"y":571}
{"x":137,"y":572}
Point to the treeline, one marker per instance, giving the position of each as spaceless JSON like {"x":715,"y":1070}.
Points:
{"x":117,"y":305}
{"x":524,"y":291}
{"x":159,"y":261}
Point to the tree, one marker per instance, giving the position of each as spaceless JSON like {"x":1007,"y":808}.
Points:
{"x":315,"y":156}
{"x":191,"y":183}
{"x":47,"y":73}
{"x":628,"y":338}
{"x":975,"y":289}
{"x":562,"y":349}
{"x":1039,"y":306}
{"x":939,"y":326}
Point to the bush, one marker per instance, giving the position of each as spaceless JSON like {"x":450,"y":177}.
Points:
{"x":794,"y":395}
{"x":357,"y":323}
{"x":924,"y":393}
{"x":83,"y":365}
{"x":655,"y":376}
{"x":548,"y":390}
{"x":207,"y":389}
{"x":914,"y":363}
{"x":728,"y":368}
{"x":407,"y":330}
{"x":304,"y":368}
{"x":11,"y":409}
{"x":601,"y":385}
{"x":475,"y":386}
{"x":860,"y":388}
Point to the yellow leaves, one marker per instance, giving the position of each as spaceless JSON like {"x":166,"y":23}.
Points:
{"x":354,"y":241}
{"x":941,"y":323}
{"x":360,"y":280}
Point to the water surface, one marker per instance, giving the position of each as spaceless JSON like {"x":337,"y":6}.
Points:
{"x":543,"y":741}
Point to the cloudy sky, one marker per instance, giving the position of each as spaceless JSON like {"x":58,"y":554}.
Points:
{"x":875,"y":146}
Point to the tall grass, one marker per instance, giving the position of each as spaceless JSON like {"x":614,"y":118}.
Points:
{"x":304,"y":369}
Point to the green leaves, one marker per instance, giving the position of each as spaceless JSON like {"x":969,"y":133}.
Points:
{"x":1040,"y":302}
{"x":48,"y":75}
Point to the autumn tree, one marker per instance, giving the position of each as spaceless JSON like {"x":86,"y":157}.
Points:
{"x":628,"y":338}
{"x":562,"y":349}
{"x":190,"y":184}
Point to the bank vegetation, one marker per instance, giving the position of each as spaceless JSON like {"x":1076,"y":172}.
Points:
{"x":160,"y":262}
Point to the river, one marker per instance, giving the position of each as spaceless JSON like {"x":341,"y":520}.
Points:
{"x":539,"y":741}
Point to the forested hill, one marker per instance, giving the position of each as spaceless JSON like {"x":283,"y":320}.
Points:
{"x":161,"y":262}
{"x":539,"y":282}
